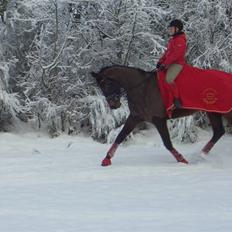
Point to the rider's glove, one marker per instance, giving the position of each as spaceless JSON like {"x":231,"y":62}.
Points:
{"x":160,"y":66}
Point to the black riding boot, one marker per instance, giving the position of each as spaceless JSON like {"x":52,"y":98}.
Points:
{"x":177,"y":103}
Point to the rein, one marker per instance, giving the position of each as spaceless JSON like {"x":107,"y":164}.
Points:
{"x":136,"y":86}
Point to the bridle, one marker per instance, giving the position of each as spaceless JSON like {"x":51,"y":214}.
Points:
{"x":115,"y":94}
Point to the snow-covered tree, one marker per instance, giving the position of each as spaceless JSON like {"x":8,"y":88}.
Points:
{"x":49,"y":48}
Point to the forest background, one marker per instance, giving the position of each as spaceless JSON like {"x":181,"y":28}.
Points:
{"x":48,"y":49}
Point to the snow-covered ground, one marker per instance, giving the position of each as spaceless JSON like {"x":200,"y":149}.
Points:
{"x":58,"y":185}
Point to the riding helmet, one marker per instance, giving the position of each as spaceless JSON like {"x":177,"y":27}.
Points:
{"x":176,"y":23}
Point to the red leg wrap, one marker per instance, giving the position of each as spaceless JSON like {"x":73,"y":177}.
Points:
{"x":208,"y":147}
{"x":178,"y":156}
{"x":107,"y":160}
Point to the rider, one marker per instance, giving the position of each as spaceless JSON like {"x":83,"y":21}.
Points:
{"x":173,"y":59}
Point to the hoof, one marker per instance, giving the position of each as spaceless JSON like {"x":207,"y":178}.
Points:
{"x":181,"y":159}
{"x":106,"y":162}
{"x":184,"y":161}
{"x":178,"y":156}
{"x":204,"y":155}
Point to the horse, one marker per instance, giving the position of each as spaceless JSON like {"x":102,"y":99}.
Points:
{"x":146,"y":104}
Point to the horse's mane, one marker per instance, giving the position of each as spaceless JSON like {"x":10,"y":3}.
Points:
{"x":122,"y":66}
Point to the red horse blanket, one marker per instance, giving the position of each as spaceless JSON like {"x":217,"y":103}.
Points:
{"x":207,"y":90}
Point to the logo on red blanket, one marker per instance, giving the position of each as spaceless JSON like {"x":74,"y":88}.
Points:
{"x":210,"y":96}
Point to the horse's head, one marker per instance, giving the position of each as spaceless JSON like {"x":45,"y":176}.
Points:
{"x":110,"y":88}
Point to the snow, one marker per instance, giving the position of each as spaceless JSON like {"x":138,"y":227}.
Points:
{"x":58,"y":185}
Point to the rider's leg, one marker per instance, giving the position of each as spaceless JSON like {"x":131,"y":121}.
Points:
{"x":172,"y":73}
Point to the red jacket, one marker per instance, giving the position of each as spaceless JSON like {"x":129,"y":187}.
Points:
{"x":175,"y":52}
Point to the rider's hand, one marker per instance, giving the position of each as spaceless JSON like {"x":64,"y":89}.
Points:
{"x":160,"y":66}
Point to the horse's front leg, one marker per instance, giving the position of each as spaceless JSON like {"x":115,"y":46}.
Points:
{"x":161,"y":125}
{"x":130,"y":124}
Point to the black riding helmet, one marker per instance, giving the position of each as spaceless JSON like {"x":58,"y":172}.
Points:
{"x":176,"y":23}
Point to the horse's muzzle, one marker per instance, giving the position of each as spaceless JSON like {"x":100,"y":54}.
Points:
{"x":114,"y":104}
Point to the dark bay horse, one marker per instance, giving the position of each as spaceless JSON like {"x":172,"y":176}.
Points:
{"x":145,"y":104}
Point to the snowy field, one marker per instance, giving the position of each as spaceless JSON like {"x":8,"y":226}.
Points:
{"x":58,"y":185}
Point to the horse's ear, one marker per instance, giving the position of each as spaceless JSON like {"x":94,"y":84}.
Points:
{"x":97,"y":76}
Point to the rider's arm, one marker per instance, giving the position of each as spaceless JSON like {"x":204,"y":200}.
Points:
{"x":176,"y":51}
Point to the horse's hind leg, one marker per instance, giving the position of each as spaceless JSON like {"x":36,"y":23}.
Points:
{"x":161,"y":125}
{"x":218,"y":131}
{"x":228,"y":117}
